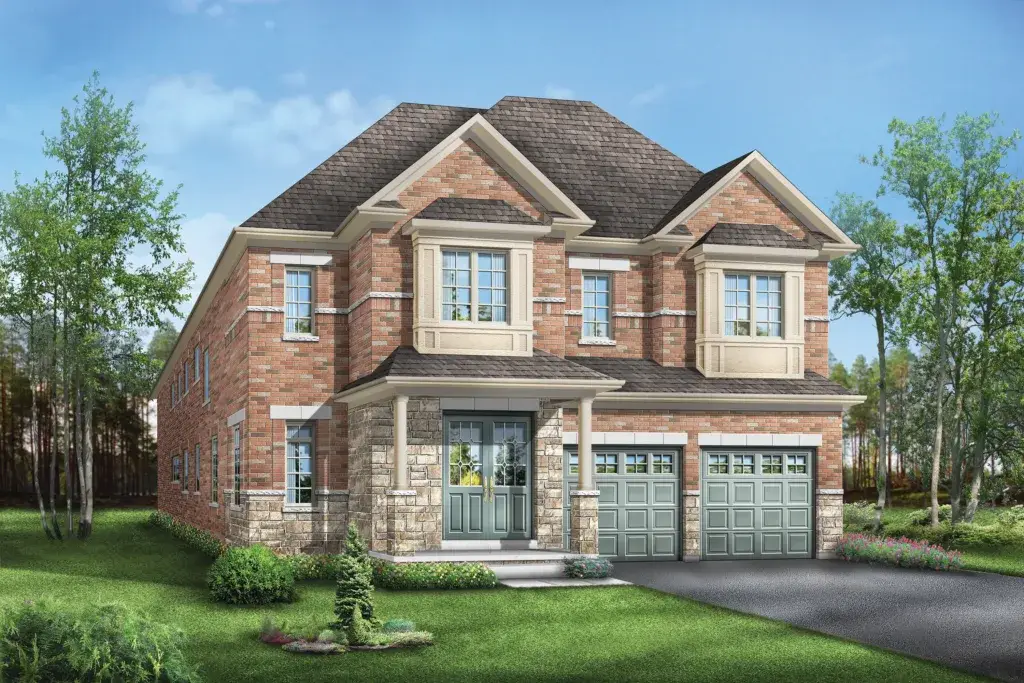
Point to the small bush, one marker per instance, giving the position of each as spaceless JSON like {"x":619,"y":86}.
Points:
{"x":410,"y":639}
{"x":432,"y":575}
{"x":360,"y":631}
{"x":316,"y":647}
{"x":251,"y":576}
{"x":924,"y":517}
{"x":587,"y":568}
{"x":859,"y":516}
{"x":973,"y":535}
{"x":898,"y":552}
{"x":1013,"y":516}
{"x":355,"y":547}
{"x":40,"y":642}
{"x":354,"y":592}
{"x":313,"y":567}
{"x":195,"y":538}
{"x":398,"y":626}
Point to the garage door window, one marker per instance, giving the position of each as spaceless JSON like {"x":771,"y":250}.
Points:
{"x":636,"y":463}
{"x":743,"y":464}
{"x":661,"y":463}
{"x":718,"y":464}
{"x":606,"y":463}
{"x":771,"y":464}
{"x":574,"y":463}
{"x":796,"y":464}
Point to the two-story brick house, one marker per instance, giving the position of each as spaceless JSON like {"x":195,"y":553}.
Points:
{"x":523,"y":327}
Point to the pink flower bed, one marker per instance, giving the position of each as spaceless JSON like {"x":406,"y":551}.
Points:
{"x":898,"y":552}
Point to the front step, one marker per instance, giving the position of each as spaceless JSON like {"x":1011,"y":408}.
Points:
{"x":532,"y":570}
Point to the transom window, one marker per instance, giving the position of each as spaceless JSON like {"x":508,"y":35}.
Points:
{"x":796,"y":464}
{"x":718,"y":463}
{"x":771,"y":464}
{"x":474,"y":286}
{"x":597,"y":306}
{"x":300,"y":464}
{"x":662,"y":463}
{"x":740,"y":289}
{"x":298,"y":301}
{"x":636,"y":463}
{"x":606,"y":463}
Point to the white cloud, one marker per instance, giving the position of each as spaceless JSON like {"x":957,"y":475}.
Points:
{"x":558,"y":92}
{"x":649,"y":96}
{"x":296,"y":79}
{"x":183,"y":109}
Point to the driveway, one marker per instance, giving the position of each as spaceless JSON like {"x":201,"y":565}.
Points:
{"x":965,"y":620}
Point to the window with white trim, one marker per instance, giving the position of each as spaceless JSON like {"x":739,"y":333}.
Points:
{"x":214,"y":471}
{"x":597,"y":311}
{"x":206,"y":374}
{"x":184,"y":480}
{"x":186,"y":384}
{"x":299,"y":464}
{"x":175,"y":469}
{"x":198,"y":483}
{"x":765,"y":291}
{"x":195,"y":364}
{"x":298,"y":301}
{"x":236,"y":468}
{"x":474,"y":286}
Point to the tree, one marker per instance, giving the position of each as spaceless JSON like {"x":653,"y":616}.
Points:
{"x":870,"y":281}
{"x":162,"y":343}
{"x":354,"y":591}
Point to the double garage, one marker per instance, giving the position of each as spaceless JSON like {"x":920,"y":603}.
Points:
{"x":755,"y":503}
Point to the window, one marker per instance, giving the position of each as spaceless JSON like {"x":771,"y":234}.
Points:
{"x":636,"y":463}
{"x":187,"y":383}
{"x":175,"y":469}
{"x":771,"y":464}
{"x":606,"y":463}
{"x":236,"y":449}
{"x":662,"y":463}
{"x":718,"y":463}
{"x":768,"y":309}
{"x":181,"y":388}
{"x":796,"y":464}
{"x":597,"y":306}
{"x":197,"y":468}
{"x":769,"y":306}
{"x":195,"y":364}
{"x":300,"y":465}
{"x":184,"y":480}
{"x":214,"y":471}
{"x":574,"y":463}
{"x":174,"y":393}
{"x":465,"y":453}
{"x":743,"y":464}
{"x":298,"y":301}
{"x":206,"y":374}
{"x":474,"y":287}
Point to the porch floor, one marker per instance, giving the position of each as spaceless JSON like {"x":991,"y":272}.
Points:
{"x":486,"y":556}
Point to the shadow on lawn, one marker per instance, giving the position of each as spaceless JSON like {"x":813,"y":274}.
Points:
{"x":23,"y":546}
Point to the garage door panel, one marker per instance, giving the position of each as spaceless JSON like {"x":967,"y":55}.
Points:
{"x":636,"y":519}
{"x":608,"y":544}
{"x":665,"y":492}
{"x":636,"y":545}
{"x":664,"y":520}
{"x":636,"y":493}
{"x":756,"y":503}
{"x":608,"y":519}
{"x":663,"y":545}
{"x":609,"y":493}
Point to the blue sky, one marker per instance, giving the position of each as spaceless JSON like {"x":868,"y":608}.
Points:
{"x":239,"y":98}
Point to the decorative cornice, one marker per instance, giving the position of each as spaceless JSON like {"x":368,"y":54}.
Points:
{"x":816,"y":318}
{"x":642,"y":314}
{"x":596,"y":341}
{"x":332,"y":311}
{"x":573,"y":312}
{"x":377,"y":295}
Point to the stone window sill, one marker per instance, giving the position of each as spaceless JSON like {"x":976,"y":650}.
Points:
{"x":300,"y":338}
{"x":298,"y":508}
{"x":215,"y":505}
{"x":195,"y":493}
{"x":206,"y":403}
{"x":184,"y":492}
{"x":596,"y":341}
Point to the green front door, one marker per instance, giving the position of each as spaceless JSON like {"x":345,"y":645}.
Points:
{"x":487,"y":477}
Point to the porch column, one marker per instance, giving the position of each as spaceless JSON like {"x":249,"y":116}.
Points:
{"x":583,"y":501}
{"x":401,"y":447}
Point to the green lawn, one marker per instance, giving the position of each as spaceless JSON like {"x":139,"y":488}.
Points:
{"x":593,"y":634}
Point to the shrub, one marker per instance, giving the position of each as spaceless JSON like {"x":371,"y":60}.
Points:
{"x":360,"y":631}
{"x":354,"y":592}
{"x":967,"y":535}
{"x":432,"y":575}
{"x":410,"y":639}
{"x":859,"y":516}
{"x":924,"y":517}
{"x":1013,"y":516}
{"x":315,"y":647}
{"x":398,"y":626}
{"x":40,"y":642}
{"x":587,"y":568}
{"x":313,"y":567}
{"x":274,"y":633}
{"x":355,"y":547}
{"x":898,"y":552}
{"x":251,"y":576}
{"x":195,"y":538}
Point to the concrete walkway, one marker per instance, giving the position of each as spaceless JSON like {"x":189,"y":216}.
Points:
{"x":965,"y":620}
{"x":557,"y":582}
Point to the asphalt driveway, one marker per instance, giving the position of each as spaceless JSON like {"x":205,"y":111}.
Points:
{"x":965,"y":620}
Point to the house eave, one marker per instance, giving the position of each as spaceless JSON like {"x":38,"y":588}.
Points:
{"x":557,"y":389}
{"x":830,"y":403}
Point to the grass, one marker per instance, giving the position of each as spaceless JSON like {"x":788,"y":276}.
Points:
{"x":594,"y":634}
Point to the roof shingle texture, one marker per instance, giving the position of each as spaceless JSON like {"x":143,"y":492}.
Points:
{"x":643,"y":375}
{"x":405,"y":361}
{"x":752,"y":235}
{"x":485,"y":210}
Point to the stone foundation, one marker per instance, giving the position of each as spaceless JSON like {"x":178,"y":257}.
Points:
{"x":263,"y":518}
{"x":583,"y":522}
{"x":691,"y":526}
{"x":829,"y":521}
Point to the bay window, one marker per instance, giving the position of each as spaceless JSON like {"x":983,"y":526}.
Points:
{"x":766,"y":293}
{"x":474,"y":286}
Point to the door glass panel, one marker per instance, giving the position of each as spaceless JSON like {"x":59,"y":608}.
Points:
{"x":796,"y":464}
{"x":465,"y":467}
{"x":661,"y":463}
{"x":771,"y":464}
{"x":510,"y":455}
{"x":718,"y":463}
{"x":743,"y":464}
{"x":606,"y":463}
{"x":636,"y":463}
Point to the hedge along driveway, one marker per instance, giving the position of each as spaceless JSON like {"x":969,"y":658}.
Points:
{"x":611,"y":634}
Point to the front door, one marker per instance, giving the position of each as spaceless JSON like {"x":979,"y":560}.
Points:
{"x":487,"y":477}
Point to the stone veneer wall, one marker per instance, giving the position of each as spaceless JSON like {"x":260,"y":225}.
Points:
{"x":548,"y":481}
{"x":262,"y":518}
{"x":829,"y":521}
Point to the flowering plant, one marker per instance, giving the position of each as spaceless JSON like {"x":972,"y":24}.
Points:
{"x":898,"y":552}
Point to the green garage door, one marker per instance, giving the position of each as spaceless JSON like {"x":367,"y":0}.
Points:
{"x":638,"y":509}
{"x":756,"y":503}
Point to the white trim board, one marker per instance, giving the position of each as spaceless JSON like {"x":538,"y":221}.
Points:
{"x":717,"y":439}
{"x":530,"y":405}
{"x":301,"y":259}
{"x":236,"y":417}
{"x":321,"y":412}
{"x":628,"y":438}
{"x":587,"y":263}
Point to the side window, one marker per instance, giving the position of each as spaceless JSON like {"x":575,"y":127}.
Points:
{"x":206,"y":374}
{"x":597,"y":306}
{"x":299,"y":464}
{"x":197,"y":468}
{"x":175,"y":469}
{"x":195,"y":364}
{"x":184,"y":480}
{"x":236,"y":468}
{"x":574,"y":463}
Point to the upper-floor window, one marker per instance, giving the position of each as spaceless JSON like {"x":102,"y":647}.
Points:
{"x":766,"y":292}
{"x":184,"y":480}
{"x":298,"y":301}
{"x":206,"y":374}
{"x":597,"y":310}
{"x":175,"y":469}
{"x":195,"y":364}
{"x":474,"y":286}
{"x":181,"y":388}
{"x":187,"y":384}
{"x":299,"y":463}
{"x":174,"y":393}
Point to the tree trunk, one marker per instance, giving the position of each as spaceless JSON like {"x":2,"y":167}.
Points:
{"x":881,"y":472}
{"x":85,"y":469}
{"x":940,"y":391}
